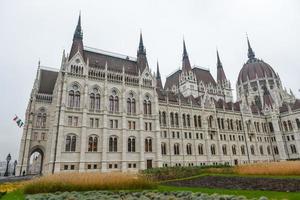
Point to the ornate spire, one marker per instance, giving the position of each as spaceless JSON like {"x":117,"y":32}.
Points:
{"x":141,"y":49}
{"x":186,"y":66}
{"x":78,"y":31}
{"x":141,"y":55}
{"x":219,"y":64}
{"x":77,"y":45}
{"x":158,"y":78}
{"x":220,"y":71}
{"x":251,"y":54}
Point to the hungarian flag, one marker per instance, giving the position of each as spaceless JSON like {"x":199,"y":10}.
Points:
{"x":19,"y":122}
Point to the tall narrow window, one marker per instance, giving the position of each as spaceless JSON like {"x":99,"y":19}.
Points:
{"x":114,"y":102}
{"x":113,"y":144}
{"x":200,"y":149}
{"x":252,"y":149}
{"x":213,"y":149}
{"x":148,"y":145}
{"x":164,"y":120}
{"x":131,"y":144}
{"x":183,"y":120}
{"x":188,"y":120}
{"x":71,"y":98}
{"x":68,"y":143}
{"x":189,"y":149}
{"x":77,"y":99}
{"x":147,"y":106}
{"x":172,"y":118}
{"x":224,"y":149}
{"x":163,"y":149}
{"x":243,"y":152}
{"x":199,"y":121}
{"x":233,"y":148}
{"x":176,"y":119}
{"x":176,"y":149}
{"x":92,"y":101}
{"x":97,"y":102}
{"x":298,"y":123}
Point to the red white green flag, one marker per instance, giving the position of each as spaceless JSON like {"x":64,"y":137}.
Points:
{"x":19,"y":122}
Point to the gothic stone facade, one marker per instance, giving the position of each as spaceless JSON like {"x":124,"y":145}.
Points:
{"x":103,"y":111}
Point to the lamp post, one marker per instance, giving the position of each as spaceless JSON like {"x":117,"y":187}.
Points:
{"x":15,"y":164}
{"x":8,"y":158}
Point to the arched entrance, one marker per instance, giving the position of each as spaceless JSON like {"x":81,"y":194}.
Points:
{"x":35,"y":162}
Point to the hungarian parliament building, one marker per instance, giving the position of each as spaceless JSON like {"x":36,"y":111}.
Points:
{"x":103,"y":111}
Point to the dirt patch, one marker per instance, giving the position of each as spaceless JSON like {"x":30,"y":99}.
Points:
{"x":245,"y":183}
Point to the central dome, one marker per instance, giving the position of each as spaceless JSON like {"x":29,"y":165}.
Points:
{"x":254,"y":69}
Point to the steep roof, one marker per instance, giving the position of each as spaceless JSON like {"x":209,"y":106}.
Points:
{"x":115,"y":62}
{"x":47,"y":81}
{"x":204,"y":75}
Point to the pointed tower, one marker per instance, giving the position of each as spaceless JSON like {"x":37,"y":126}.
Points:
{"x":142,"y":62}
{"x":187,"y":79}
{"x":251,"y":54}
{"x":221,"y":77}
{"x":77,"y":45}
{"x":158,"y":78}
{"x":186,"y":66}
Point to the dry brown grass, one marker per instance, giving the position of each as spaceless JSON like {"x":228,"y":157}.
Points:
{"x":287,"y":168}
{"x":87,"y":181}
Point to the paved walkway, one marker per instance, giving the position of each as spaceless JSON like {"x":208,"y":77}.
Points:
{"x":16,"y":178}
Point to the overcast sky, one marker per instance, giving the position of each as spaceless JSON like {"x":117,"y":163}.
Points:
{"x":35,"y":29}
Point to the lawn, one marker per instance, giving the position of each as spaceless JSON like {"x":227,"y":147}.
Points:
{"x":246,"y":193}
{"x":156,"y":179}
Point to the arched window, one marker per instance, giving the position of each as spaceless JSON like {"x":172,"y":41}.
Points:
{"x":233,"y":148}
{"x":163,"y":149}
{"x":147,"y":106}
{"x":293,"y":149}
{"x":298,"y":123}
{"x":113,"y":144}
{"x":276,"y":152}
{"x":131,"y":109}
{"x":176,"y":119}
{"x":200,"y":149}
{"x":189,"y":149}
{"x":116,"y":106}
{"x":285,"y":126}
{"x":252,"y":149}
{"x":93,"y":144}
{"x":269,"y":150}
{"x":188,"y":120}
{"x":113,"y":102}
{"x":183,"y":120}
{"x":231,"y":124}
{"x":213,"y":149}
{"x":176,"y":149}
{"x":131,"y":144}
{"x":97,"y":102}
{"x":92,"y":101}
{"x":199,"y":121}
{"x":261,"y":150}
{"x":77,"y":99}
{"x":172,"y":118}
{"x":224,"y":149}
{"x":71,"y":98}
{"x":70,"y":143}
{"x":39,"y":120}
{"x":164,"y":120}
{"x":129,"y":106}
{"x":195,"y":121}
{"x":290,"y":125}
{"x":148,"y":145}
{"x":210,"y":121}
{"x":243,"y":152}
